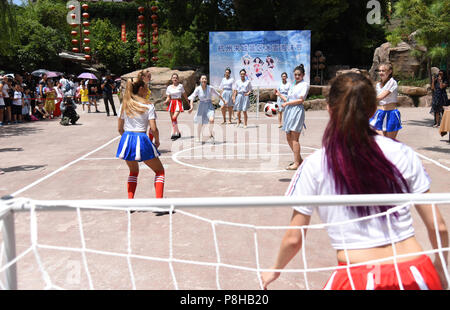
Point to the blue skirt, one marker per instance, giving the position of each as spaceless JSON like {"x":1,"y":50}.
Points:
{"x":228,"y":96}
{"x":205,"y":112}
{"x":294,"y":118}
{"x":136,"y":146}
{"x":386,"y":120}
{"x":242,"y":103}
{"x":280,"y":102}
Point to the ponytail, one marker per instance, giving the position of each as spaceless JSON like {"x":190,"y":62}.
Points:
{"x":131,"y":101}
{"x":353,"y":158}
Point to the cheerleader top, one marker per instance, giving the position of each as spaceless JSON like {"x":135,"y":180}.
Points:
{"x":344,"y":228}
{"x":226,"y":84}
{"x":284,"y":88}
{"x":298,"y":90}
{"x":138,"y":122}
{"x":175,"y":92}
{"x":203,"y":95}
{"x":392,"y":87}
{"x":242,"y":87}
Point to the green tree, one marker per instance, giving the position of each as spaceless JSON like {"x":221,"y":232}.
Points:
{"x":429,"y":20}
{"x":7,"y":25}
{"x":118,"y":56}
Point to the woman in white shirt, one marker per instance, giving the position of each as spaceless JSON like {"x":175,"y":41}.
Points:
{"x":226,"y":85}
{"x":205,"y":111}
{"x":136,"y":117}
{"x":283,"y":89}
{"x":294,"y":114}
{"x":354,"y":159}
{"x":241,"y":100}
{"x":174,"y":94}
{"x":386,"y":119}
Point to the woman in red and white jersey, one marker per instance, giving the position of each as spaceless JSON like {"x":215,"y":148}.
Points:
{"x":354,"y":159}
{"x":174,"y":94}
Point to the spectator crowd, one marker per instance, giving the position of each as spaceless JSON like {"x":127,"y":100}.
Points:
{"x":25,"y":98}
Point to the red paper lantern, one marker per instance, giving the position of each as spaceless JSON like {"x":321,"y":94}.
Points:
{"x":73,"y":25}
{"x":86,"y":15}
{"x":85,"y":6}
{"x":142,"y":43}
{"x":86,"y":32}
{"x":141,"y":17}
{"x":155,"y":32}
{"x":71,"y":7}
{"x":87,"y":49}
{"x":154,"y":58}
{"x":86,"y":40}
{"x":75,"y":50}
{"x":155,"y":50}
{"x":154,"y":8}
{"x":155,"y":42}
{"x":87,"y":57}
{"x":155,"y":25}
{"x":142,"y":52}
{"x":142,"y":59}
{"x":154,"y":17}
{"x":74,"y":41}
{"x":74,"y":33}
{"x":73,"y":16}
{"x":86,"y":24}
{"x":141,"y":9}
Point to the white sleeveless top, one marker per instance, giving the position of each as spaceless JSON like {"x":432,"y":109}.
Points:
{"x":226,"y":84}
{"x":312,"y":178}
{"x":175,"y":92}
{"x":203,"y":95}
{"x":391,"y":86}
{"x":138,"y":122}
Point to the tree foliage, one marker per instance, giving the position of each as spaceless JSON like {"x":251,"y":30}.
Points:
{"x":339,"y":29}
{"x":429,"y":20}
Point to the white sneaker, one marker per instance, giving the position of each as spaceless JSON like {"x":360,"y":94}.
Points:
{"x":213,"y":141}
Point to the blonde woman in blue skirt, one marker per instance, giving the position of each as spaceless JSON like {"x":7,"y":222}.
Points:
{"x":226,"y":85}
{"x":205,"y":110}
{"x":294,"y":114}
{"x":387,"y":120}
{"x":136,"y":117}
{"x":241,"y":100}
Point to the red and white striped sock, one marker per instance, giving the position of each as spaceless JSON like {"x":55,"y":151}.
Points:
{"x":175,"y":125}
{"x":159,"y":184}
{"x":132,"y":184}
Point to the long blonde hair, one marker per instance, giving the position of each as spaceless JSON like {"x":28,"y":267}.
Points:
{"x":132,"y":102}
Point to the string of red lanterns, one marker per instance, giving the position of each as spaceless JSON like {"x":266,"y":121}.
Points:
{"x":78,"y":45}
{"x":141,"y":34}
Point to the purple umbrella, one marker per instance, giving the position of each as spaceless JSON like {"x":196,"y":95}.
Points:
{"x":87,"y":75}
{"x":51,"y":74}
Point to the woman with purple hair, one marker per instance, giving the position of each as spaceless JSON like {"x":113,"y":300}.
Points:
{"x":354,"y":159}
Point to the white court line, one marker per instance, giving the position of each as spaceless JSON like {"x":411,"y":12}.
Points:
{"x":433,"y":161}
{"x":62,"y":168}
{"x":229,"y":170}
{"x":208,"y":156}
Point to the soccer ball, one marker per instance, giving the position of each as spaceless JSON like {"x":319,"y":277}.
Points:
{"x":270,"y":109}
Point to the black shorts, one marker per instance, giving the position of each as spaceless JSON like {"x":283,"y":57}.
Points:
{"x":8,"y":101}
{"x":2,"y":107}
{"x":16,"y":109}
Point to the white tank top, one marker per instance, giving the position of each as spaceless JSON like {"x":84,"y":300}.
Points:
{"x":138,"y":122}
{"x":312,"y":178}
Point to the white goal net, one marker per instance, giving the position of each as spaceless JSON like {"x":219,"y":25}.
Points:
{"x":189,"y":243}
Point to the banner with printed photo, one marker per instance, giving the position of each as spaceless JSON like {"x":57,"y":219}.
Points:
{"x":264,"y":55}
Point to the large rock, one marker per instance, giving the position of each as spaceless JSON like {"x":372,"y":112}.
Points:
{"x":413,"y":91}
{"x":161,"y":78}
{"x":404,"y":63}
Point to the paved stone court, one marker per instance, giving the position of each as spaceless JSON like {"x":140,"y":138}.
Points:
{"x":44,"y":160}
